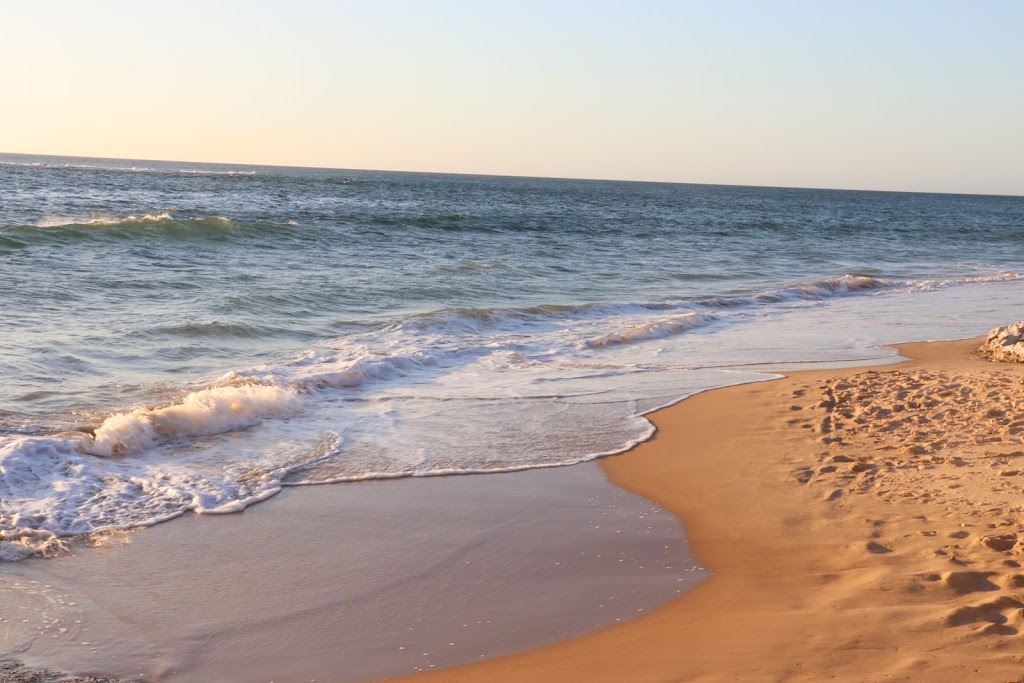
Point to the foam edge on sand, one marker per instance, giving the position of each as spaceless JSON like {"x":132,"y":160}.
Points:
{"x":862,"y":524}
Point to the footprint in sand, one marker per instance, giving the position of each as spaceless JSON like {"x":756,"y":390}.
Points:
{"x":963,"y":583}
{"x":1000,"y":542}
{"x":1002,"y":616}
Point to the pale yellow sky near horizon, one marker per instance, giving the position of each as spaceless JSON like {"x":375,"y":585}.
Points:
{"x":903,"y":96}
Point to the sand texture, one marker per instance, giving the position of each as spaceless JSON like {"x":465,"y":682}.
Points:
{"x":863,"y":525}
{"x":12,"y":672}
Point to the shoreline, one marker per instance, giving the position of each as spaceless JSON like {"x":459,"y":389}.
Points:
{"x":830,"y":554}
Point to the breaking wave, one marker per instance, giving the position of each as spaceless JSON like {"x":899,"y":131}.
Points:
{"x":62,"y":221}
{"x":654,"y":329}
{"x":208,"y":411}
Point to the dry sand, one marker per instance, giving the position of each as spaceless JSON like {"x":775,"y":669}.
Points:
{"x":862,"y":524}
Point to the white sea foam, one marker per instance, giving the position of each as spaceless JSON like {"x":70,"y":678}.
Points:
{"x":50,"y":489}
{"x":62,"y":221}
{"x":17,"y":544}
{"x":195,"y":171}
{"x":945,"y":283}
{"x":149,"y":219}
{"x":127,"y":169}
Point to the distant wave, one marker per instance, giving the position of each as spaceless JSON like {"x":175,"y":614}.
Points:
{"x":656,"y":320}
{"x":459,"y":319}
{"x":192,"y":171}
{"x":213,"y":329}
{"x":455,"y":336}
{"x":124,"y":169}
{"x":467,"y":268}
{"x":161,"y":224}
{"x":62,"y":221}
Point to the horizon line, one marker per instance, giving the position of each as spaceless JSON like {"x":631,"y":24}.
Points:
{"x":512,"y":175}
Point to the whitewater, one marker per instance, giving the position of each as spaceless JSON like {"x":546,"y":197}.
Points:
{"x":193,"y":337}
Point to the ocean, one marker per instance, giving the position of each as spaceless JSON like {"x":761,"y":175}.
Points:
{"x":193,"y":337}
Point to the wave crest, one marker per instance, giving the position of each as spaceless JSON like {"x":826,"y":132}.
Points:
{"x":208,"y":411}
{"x":64,"y":221}
{"x":141,"y":226}
{"x":825,"y":288}
{"x":654,"y":329}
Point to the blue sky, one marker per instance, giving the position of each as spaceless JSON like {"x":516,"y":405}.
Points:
{"x":907,"y":95}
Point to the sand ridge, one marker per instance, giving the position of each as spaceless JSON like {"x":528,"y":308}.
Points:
{"x":862,"y":524}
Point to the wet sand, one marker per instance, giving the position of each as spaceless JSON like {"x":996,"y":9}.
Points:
{"x":12,"y":671}
{"x":348,"y":582}
{"x":861,"y":524}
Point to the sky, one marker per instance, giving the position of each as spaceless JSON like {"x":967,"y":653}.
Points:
{"x":897,"y":95}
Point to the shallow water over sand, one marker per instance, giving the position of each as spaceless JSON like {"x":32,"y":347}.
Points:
{"x":350,"y":583}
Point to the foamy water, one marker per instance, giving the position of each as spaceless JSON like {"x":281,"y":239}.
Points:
{"x":194,"y":339}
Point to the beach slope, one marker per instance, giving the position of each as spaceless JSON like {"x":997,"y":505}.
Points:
{"x":861,"y":524}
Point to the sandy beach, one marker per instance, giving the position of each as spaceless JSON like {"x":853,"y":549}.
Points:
{"x":511,"y":342}
{"x":861,"y":524}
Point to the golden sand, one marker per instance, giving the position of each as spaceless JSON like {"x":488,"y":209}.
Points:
{"x":862,"y":525}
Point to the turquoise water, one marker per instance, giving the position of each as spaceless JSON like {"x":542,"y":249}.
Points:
{"x":193,"y":337}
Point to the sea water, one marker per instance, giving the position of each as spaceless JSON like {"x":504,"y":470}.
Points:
{"x":182,"y":336}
